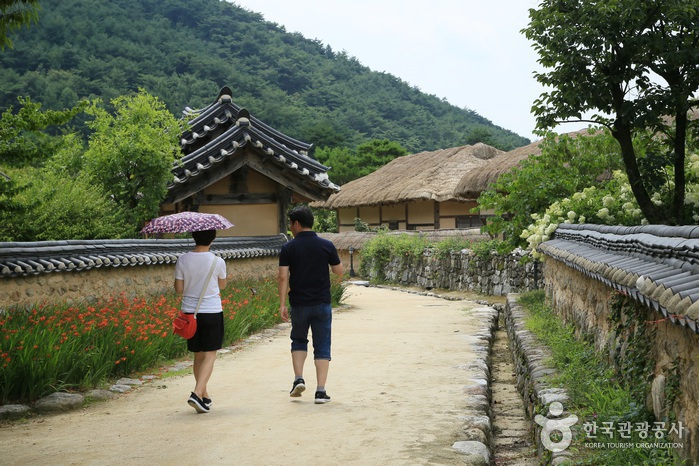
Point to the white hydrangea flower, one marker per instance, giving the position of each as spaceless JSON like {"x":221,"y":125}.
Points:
{"x":603,"y":213}
{"x":608,"y":201}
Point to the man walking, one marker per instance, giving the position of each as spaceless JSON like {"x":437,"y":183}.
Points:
{"x":304,"y":276}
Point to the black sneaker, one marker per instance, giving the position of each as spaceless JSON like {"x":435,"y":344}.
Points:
{"x":195,"y":402}
{"x":322,"y":397}
{"x":207,"y":401}
{"x":298,"y":388}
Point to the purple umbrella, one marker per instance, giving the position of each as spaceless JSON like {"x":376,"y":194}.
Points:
{"x":185,"y":222}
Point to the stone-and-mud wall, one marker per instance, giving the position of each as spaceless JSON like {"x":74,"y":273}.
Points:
{"x":89,"y":285}
{"x":532,"y":372}
{"x":497,"y":275}
{"x":672,"y":350}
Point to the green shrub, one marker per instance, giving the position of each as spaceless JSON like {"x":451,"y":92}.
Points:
{"x":597,"y":393}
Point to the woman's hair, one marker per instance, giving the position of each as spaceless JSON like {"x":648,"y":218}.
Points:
{"x":204,"y":238}
{"x":303,"y":214}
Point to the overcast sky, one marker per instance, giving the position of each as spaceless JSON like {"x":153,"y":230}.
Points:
{"x":469,"y":52}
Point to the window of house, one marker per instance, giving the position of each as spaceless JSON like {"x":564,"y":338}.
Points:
{"x":468,"y":221}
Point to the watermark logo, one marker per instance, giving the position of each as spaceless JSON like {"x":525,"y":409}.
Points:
{"x":646,"y":435}
{"x":551,"y":426}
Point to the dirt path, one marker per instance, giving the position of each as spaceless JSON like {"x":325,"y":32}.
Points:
{"x":396,"y":381}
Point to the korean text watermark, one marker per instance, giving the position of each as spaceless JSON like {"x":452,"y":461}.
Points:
{"x":556,"y":433}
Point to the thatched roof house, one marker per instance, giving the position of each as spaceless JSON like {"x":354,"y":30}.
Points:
{"x":428,"y":190}
{"x":474,"y":182}
{"x":426,"y":176}
{"x":413,"y":192}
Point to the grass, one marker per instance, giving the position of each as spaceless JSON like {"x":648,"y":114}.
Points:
{"x":47,"y":348}
{"x":598,"y":397}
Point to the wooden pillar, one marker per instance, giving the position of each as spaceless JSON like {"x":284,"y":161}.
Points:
{"x":284,"y":203}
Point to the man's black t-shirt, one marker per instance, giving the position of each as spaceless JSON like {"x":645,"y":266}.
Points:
{"x":308,"y":257}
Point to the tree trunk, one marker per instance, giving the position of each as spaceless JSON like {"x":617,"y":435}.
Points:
{"x":680,"y":153}
{"x":622,"y":133}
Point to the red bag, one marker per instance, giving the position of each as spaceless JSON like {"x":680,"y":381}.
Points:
{"x":185,"y":325}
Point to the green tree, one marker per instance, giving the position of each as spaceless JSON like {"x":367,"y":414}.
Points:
{"x":23,"y":137}
{"x":375,"y":154}
{"x":347,"y":164}
{"x":566,"y":165}
{"x":12,"y":227}
{"x":13,"y":15}
{"x":131,"y":153}
{"x":339,"y":159}
{"x":57,"y":207}
{"x":25,"y":142}
{"x":325,"y":220}
{"x":603,"y":57}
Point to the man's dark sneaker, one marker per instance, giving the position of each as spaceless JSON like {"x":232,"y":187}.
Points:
{"x":298,"y":388}
{"x":207,"y":401}
{"x":197,"y":403}
{"x":322,"y":397}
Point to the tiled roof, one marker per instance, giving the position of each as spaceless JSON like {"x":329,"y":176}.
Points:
{"x":656,"y":265}
{"x":220,"y":131}
{"x":22,"y":259}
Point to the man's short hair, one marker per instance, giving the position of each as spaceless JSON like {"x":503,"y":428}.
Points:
{"x":303,"y":215}
{"x":204,"y":237}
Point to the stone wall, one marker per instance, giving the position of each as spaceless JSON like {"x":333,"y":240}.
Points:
{"x":89,"y":285}
{"x":672,"y":350}
{"x":532,"y":371}
{"x":465,"y":271}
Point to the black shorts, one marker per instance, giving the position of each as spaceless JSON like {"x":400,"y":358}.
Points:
{"x":209,"y":335}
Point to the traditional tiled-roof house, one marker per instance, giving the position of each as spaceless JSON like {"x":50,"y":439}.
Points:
{"x":237,"y":166}
{"x":413,"y":192}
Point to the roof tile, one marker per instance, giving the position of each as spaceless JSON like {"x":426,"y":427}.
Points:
{"x":657,"y":265}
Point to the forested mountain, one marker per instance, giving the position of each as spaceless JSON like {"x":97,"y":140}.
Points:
{"x":184,"y":51}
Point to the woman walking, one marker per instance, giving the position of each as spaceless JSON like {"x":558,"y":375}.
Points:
{"x":199,"y":278}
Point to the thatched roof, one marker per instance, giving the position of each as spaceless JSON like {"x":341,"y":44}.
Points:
{"x":475,"y":181}
{"x":423,"y":176}
{"x":460,"y":173}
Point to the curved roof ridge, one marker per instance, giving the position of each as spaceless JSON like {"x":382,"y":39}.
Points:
{"x":35,"y":258}
{"x":657,"y":265}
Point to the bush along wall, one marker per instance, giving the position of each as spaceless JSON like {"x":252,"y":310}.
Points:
{"x":654,"y":358}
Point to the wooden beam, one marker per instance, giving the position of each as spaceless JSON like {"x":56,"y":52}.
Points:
{"x":240,"y":198}
{"x":288,"y":178}
{"x":198,"y":183}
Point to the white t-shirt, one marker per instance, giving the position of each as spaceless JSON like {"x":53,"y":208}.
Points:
{"x":192,"y":268}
